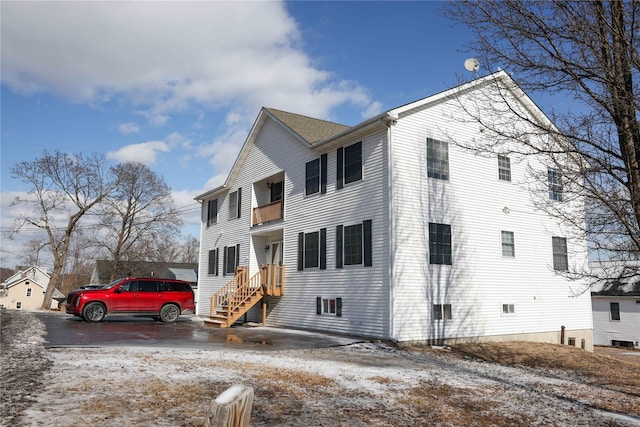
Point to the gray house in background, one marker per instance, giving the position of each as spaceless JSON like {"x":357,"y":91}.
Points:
{"x":102,"y":271}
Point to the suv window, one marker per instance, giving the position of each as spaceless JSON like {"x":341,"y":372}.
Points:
{"x":148,"y":286}
{"x":130,"y":286}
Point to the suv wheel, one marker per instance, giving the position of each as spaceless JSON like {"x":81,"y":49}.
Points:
{"x":169,"y":313}
{"x":94,"y":312}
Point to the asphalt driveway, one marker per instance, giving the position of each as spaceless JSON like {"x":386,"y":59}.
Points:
{"x":188,"y":332}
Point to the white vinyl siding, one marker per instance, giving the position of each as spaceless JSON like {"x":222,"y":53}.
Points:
{"x":478,"y":207}
{"x":363,"y":292}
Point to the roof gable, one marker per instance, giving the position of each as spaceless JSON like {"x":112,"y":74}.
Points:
{"x":305,"y":129}
{"x":37,"y":274}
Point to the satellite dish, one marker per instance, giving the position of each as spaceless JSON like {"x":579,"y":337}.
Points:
{"x":472,"y":64}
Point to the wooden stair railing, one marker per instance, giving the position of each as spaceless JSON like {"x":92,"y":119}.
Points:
{"x":242,"y":292}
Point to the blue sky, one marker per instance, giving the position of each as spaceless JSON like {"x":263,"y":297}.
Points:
{"x":177,"y":85}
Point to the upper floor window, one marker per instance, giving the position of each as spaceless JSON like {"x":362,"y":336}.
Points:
{"x":28,"y":292}
{"x":504,"y":168}
{"x":508,"y":244}
{"x":212,"y":212}
{"x":349,"y":167}
{"x":560,"y":258}
{"x":437,"y":159}
{"x":554,"y":179}
{"x":235,"y":200}
{"x":354,"y":244}
{"x":312,"y":250}
{"x":316,"y":176}
{"x":440,"y":244}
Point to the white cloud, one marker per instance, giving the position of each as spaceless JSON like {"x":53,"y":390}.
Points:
{"x":127,"y":128}
{"x":145,"y":152}
{"x":164,"y":57}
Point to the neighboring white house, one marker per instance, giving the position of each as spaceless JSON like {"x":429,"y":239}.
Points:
{"x":25,"y":290}
{"x":616,"y":307}
{"x":388,"y":229}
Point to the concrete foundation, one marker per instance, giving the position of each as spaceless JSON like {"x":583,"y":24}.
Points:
{"x":573,"y":337}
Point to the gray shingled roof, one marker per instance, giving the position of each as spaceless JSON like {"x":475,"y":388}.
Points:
{"x":620,"y":289}
{"x":310,"y":129}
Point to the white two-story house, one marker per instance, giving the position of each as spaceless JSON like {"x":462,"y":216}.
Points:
{"x":390,"y":229}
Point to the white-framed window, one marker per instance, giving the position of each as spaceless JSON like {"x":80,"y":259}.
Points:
{"x":560,"y":257}
{"x":235,"y":204}
{"x":508,"y":309}
{"x":212,"y":212}
{"x":18,"y":305}
{"x":504,"y":168}
{"x":349,"y":164}
{"x":614,"y":311}
{"x":354,"y":244}
{"x":437,"y":159}
{"x":312,"y":249}
{"x":329,"y":306}
{"x":28,"y":292}
{"x":316,"y":176}
{"x":231,"y":255}
{"x":554,"y":180}
{"x":440,"y":244}
{"x":508,"y":244}
{"x":442,"y":312}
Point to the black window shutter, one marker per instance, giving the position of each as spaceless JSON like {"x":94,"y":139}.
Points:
{"x":340,"y":169}
{"x":217,"y":258}
{"x":239,"y":202}
{"x":300,"y":251}
{"x":224,"y":261}
{"x":323,"y":173}
{"x":237,"y":256}
{"x":318,"y":306}
{"x":339,"y":307}
{"x":366,"y":231}
{"x":212,"y":257}
{"x":323,"y":249}
{"x":339,"y":246}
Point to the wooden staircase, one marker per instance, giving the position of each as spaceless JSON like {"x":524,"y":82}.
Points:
{"x":241,"y":293}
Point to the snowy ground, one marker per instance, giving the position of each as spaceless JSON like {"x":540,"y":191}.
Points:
{"x":370,"y":384}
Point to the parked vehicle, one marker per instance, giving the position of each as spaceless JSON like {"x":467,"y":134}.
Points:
{"x":162,"y":299}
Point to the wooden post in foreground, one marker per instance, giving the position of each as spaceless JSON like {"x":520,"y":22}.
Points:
{"x":232,"y":408}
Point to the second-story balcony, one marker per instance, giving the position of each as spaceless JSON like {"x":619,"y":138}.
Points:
{"x":269,"y":212}
{"x":269,"y":198}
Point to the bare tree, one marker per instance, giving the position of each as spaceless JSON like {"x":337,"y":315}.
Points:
{"x":190,"y":250}
{"x":586,"y":53}
{"x":139,"y":218}
{"x":64,"y":187}
{"x":31,"y":255}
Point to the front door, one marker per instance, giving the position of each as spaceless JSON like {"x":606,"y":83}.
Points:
{"x":275,"y":253}
{"x":275,"y":258}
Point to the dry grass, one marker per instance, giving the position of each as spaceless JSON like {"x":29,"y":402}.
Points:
{"x":609,"y":369}
{"x":443,"y":404}
{"x":308,"y":397}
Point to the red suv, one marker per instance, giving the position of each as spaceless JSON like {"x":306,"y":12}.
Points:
{"x":162,"y":299}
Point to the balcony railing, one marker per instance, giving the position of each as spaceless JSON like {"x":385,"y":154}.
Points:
{"x":269,"y":212}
